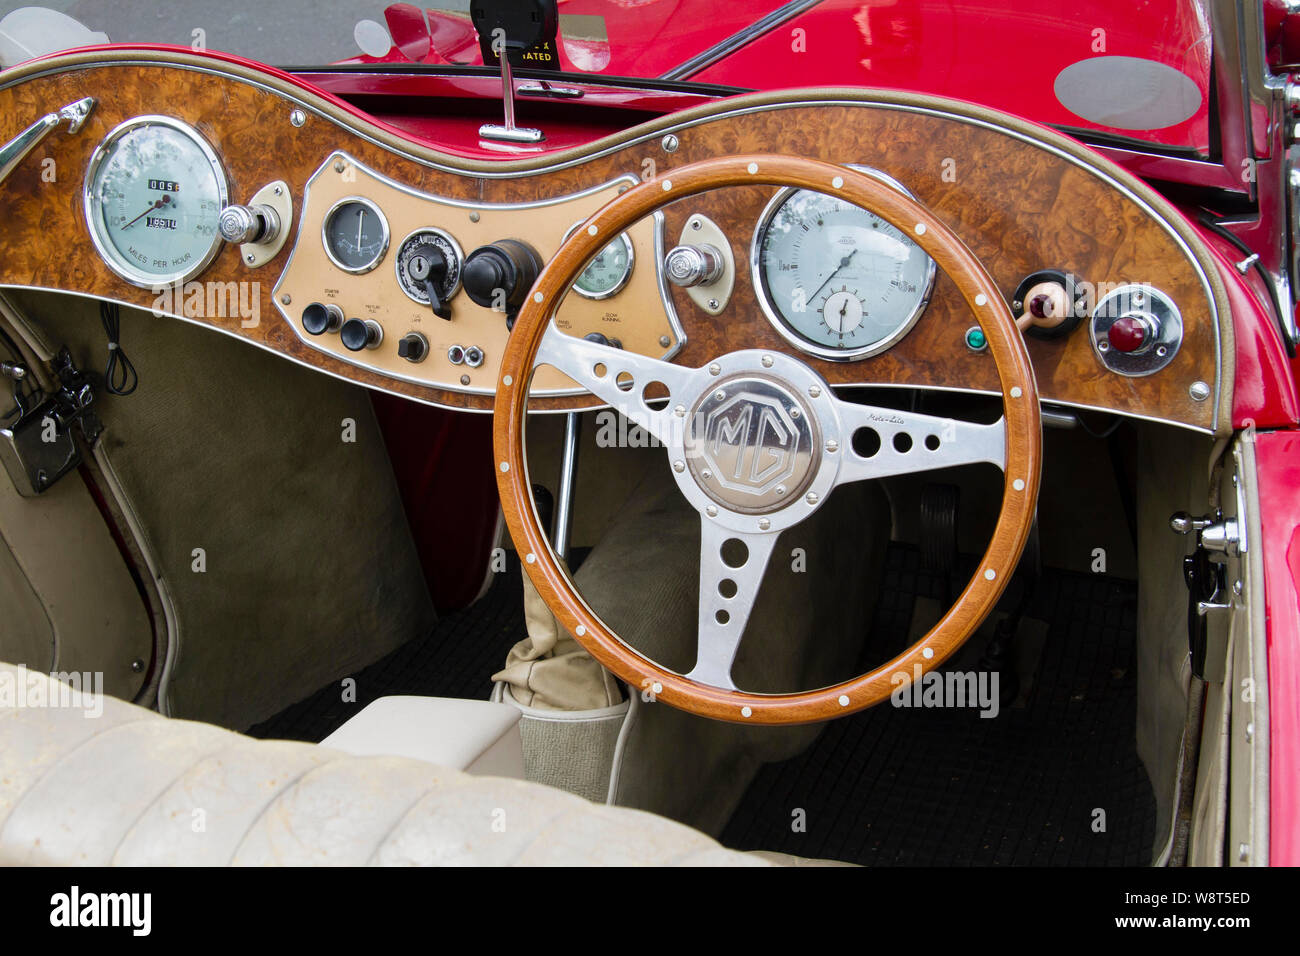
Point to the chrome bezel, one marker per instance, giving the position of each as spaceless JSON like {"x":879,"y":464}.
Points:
{"x":624,"y":279}
{"x":94,"y":222}
{"x":783,"y":326}
{"x":456,"y":251}
{"x":383,"y":223}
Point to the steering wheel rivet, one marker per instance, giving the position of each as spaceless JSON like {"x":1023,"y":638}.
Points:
{"x":530,"y":558}
{"x":764,"y":524}
{"x":990,"y":574}
{"x":715,"y":369}
{"x":811,"y":498}
{"x":505,"y":466}
{"x":844,"y":700}
{"x":581,"y":630}
{"x":679,"y":466}
{"x":927,"y":653}
{"x":592,"y":230}
{"x":981,"y":299}
{"x":1015,"y":391}
{"x":838,"y":182}
{"x":507,"y":380}
{"x":753,"y":168}
{"x":814,"y":391}
{"x":668,"y":184}
{"x":1018,"y":484}
{"x":537,"y":297}
{"x":746,"y":712}
{"x":920,"y":229}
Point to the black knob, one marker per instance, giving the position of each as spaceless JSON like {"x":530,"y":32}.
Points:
{"x":601,"y":339}
{"x":499,"y":275}
{"x":358,"y":334}
{"x":414,"y":347}
{"x":319,"y":319}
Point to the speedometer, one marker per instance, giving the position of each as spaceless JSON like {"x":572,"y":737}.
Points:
{"x":154,"y":193}
{"x":835,"y":280}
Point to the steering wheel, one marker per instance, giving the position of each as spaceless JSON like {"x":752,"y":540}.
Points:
{"x":784,"y":441}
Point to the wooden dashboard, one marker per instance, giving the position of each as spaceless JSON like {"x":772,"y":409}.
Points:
{"x":1023,"y":199}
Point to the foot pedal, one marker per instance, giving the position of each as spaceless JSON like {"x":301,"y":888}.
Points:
{"x":938,"y":529}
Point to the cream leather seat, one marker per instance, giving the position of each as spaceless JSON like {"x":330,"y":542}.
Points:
{"x":96,"y":781}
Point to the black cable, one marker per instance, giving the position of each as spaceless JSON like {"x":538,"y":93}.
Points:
{"x":120,"y":377}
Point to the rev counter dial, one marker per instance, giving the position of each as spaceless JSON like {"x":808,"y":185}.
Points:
{"x":836,"y":280}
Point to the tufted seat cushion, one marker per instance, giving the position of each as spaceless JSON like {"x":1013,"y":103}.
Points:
{"x":94,"y":781}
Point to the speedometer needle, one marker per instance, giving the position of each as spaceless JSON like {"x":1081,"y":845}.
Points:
{"x":843,"y":262}
{"x":157,"y":204}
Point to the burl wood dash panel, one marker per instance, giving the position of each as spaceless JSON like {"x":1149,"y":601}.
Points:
{"x":1020,"y":208}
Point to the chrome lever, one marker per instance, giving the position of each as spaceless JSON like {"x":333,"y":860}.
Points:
{"x":15,"y":151}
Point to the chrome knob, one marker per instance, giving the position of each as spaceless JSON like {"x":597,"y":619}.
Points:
{"x":688,"y":266}
{"x":248,"y":224}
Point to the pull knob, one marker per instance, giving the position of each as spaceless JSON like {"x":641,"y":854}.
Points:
{"x":688,"y":266}
{"x":240,"y":224}
{"x":414,"y":347}
{"x":320,"y":318}
{"x":358,"y":334}
{"x":499,"y":275}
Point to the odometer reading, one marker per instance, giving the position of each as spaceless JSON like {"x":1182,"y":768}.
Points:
{"x":837,"y":281}
{"x":154,"y":193}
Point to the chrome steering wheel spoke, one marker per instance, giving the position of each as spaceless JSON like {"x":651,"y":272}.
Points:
{"x":732,"y":565}
{"x":620,"y":378}
{"x":903,"y":442}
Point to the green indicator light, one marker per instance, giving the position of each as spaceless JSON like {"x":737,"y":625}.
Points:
{"x":975,"y":339}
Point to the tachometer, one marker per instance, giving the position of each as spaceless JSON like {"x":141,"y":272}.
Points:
{"x":154,"y":192}
{"x":837,"y":281}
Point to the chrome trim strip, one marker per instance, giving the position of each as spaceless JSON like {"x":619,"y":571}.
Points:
{"x":734,"y":42}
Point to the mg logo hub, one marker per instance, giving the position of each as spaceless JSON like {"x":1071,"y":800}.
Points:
{"x":750,"y":444}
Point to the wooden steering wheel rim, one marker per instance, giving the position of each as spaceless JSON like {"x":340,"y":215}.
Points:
{"x":1023,"y":440}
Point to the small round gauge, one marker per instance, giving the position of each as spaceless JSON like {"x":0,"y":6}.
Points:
{"x":423,"y":255}
{"x":608,"y":271}
{"x":355,"y":234}
{"x":153,"y":194}
{"x":837,"y":281}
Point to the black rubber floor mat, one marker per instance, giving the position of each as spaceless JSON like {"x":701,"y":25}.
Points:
{"x":1055,"y":782}
{"x":456,"y":660}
